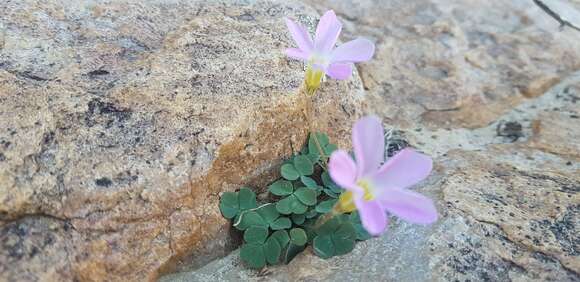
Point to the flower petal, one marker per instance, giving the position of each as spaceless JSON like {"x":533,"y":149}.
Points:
{"x":342,"y":170}
{"x":339,"y":71}
{"x":296,"y":53}
{"x":408,"y":205}
{"x":300,"y":36}
{"x":358,"y":50}
{"x":369,"y":145}
{"x":327,"y":32}
{"x":372,"y":215}
{"x":404,"y":169}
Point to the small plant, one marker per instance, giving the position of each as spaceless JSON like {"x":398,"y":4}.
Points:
{"x":297,"y":213}
{"x":306,"y":206}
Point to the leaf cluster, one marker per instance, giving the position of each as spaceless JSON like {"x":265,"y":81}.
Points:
{"x":278,"y":230}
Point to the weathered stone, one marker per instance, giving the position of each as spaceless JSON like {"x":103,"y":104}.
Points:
{"x":457,"y":64}
{"x":500,"y":221}
{"x":121,"y":122}
{"x":509,"y":207}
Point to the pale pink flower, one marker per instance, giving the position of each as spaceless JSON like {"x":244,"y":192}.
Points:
{"x":320,"y":55}
{"x":375,"y":189}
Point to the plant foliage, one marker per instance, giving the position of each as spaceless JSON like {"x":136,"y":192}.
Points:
{"x":276,"y":231}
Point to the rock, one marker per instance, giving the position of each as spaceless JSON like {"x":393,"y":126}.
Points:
{"x":501,"y":220}
{"x":509,"y":207}
{"x":122,"y":122}
{"x":457,"y":64}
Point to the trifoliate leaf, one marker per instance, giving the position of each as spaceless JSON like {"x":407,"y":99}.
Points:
{"x":256,"y":234}
{"x":298,"y":236}
{"x":281,"y":188}
{"x":289,"y":172}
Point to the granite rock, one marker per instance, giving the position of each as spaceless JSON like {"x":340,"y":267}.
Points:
{"x":121,"y":123}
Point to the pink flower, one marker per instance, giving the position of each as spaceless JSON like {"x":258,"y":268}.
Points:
{"x":376,"y":190}
{"x":320,"y":56}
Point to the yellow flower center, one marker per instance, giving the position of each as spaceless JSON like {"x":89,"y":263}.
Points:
{"x":346,"y":201}
{"x":313,"y":79}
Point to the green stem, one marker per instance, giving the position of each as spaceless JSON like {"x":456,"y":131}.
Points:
{"x":307,"y":107}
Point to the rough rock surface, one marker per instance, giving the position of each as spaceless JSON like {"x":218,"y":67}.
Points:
{"x":460,"y":63}
{"x":122,"y":121}
{"x":490,"y":90}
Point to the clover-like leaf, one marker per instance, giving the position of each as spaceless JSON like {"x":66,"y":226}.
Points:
{"x":282,"y":237}
{"x":247,"y":199}
{"x":272,"y":251}
{"x":253,"y":255}
{"x":256,"y":234}
{"x":229,"y":204}
{"x":298,"y":236}
{"x":281,"y":188}
{"x":325,"y":206}
{"x":306,"y":195}
{"x":289,"y":172}
{"x":281,"y":223}
{"x":309,"y":182}
{"x":303,"y":165}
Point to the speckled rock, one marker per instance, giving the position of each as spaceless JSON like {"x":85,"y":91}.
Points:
{"x":460,"y":63}
{"x":509,"y":208}
{"x":122,"y":121}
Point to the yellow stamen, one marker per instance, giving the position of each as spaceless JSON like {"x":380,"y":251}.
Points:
{"x":346,"y":202}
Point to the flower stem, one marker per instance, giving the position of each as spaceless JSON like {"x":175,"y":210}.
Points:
{"x":308,"y":110}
